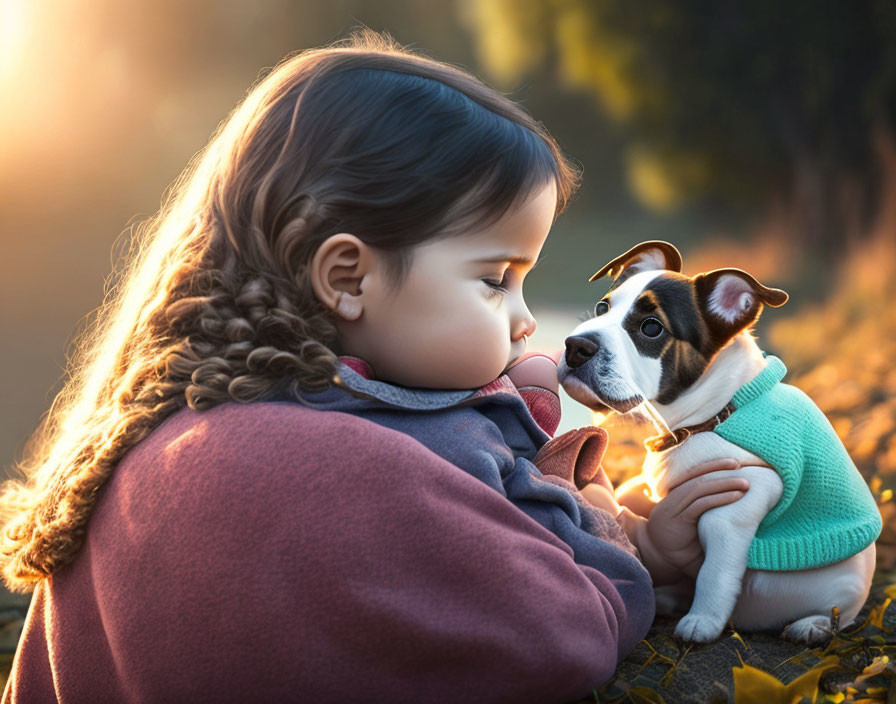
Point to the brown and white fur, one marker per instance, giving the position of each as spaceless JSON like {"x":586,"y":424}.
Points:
{"x":689,"y":373}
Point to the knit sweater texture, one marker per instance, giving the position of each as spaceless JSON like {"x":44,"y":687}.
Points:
{"x":826,"y":512}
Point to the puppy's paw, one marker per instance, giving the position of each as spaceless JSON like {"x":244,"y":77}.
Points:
{"x":811,"y":630}
{"x":698,"y":628}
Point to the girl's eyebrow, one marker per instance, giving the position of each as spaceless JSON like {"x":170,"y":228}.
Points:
{"x":512,"y":258}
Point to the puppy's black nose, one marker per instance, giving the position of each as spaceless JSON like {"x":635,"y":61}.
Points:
{"x":579,"y":350}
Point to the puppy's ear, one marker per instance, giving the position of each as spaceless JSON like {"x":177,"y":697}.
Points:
{"x":731,"y":299}
{"x":646,"y":256}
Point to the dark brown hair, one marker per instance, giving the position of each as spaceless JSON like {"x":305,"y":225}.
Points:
{"x":360,"y":136}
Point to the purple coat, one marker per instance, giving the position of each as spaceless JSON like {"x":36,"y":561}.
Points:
{"x":271,"y":552}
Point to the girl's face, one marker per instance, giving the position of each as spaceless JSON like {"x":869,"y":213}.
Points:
{"x":458,"y":319}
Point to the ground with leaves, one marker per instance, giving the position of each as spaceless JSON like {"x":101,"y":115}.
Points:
{"x":859,"y":665}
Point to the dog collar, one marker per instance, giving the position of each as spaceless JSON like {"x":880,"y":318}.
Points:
{"x":659,"y":443}
{"x":773,"y":372}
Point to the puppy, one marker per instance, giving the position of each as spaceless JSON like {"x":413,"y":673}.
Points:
{"x":801,"y":540}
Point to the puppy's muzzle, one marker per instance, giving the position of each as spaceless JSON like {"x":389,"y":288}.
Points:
{"x":579,"y":350}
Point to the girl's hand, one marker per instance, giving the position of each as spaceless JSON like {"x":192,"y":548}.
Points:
{"x":667,"y":540}
{"x":600,"y":496}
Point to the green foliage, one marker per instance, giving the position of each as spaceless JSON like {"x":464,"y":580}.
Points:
{"x":744,"y":100}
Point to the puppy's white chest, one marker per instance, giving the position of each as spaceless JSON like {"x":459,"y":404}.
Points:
{"x":663,"y":469}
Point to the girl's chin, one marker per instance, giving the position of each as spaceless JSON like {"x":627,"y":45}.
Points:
{"x":510,"y":366}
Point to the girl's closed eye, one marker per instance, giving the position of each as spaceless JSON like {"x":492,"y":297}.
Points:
{"x":497,"y":288}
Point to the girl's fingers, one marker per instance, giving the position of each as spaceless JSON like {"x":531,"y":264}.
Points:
{"x":704,"y":503}
{"x":704,"y":468}
{"x":714,"y":485}
{"x":685,"y":494}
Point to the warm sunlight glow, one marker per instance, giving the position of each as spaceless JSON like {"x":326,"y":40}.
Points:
{"x":633,"y":483}
{"x":14,"y":31}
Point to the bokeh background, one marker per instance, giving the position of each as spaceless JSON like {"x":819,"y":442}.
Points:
{"x":753,"y":134}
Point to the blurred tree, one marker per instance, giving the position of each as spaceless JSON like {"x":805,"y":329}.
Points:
{"x":756,"y":103}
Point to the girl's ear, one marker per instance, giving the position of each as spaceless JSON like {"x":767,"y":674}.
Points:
{"x":337,"y":270}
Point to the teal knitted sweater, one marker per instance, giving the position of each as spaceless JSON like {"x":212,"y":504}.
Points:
{"x":826,"y":512}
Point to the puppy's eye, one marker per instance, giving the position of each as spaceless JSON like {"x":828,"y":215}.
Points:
{"x":601,"y":307}
{"x":651,"y":327}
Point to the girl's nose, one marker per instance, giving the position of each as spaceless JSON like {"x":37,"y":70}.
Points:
{"x":525,"y":326}
{"x":532,"y":325}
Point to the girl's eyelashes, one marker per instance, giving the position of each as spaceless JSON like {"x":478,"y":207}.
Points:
{"x":497,"y":287}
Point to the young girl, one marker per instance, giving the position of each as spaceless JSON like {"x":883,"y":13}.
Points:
{"x":217,"y":508}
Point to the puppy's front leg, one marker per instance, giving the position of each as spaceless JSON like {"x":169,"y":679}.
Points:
{"x":726,"y":533}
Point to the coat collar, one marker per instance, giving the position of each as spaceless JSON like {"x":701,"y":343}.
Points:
{"x":356,"y":376}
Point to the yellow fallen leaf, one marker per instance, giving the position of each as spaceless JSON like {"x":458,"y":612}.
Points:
{"x":890,"y":591}
{"x":753,"y":685}
{"x":876,"y":617}
{"x":836,"y":698}
{"x":735,"y":634}
{"x":878,"y":665}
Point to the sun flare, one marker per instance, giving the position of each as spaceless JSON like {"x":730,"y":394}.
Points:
{"x":14,"y":32}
